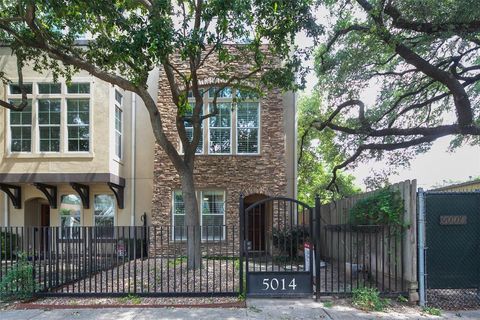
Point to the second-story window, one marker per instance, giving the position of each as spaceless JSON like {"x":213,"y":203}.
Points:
{"x":61,"y":118}
{"x":235,"y":129}
{"x":118,"y":124}
{"x":49,"y":124}
{"x":21,"y":128}
{"x":220,"y":129}
{"x":78,"y":120}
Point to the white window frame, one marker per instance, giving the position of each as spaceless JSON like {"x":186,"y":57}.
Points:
{"x":31,"y":125}
{"x":199,"y":195}
{"x":115,"y":212}
{"x":38,"y":125}
{"x":118,"y":105}
{"x":60,"y":215}
{"x":67,"y":125}
{"x":35,"y":130}
{"x":231,"y":130}
{"x":258,"y":128}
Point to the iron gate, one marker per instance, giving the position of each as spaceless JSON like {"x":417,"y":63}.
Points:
{"x":277,"y":238}
{"x":452,"y":241}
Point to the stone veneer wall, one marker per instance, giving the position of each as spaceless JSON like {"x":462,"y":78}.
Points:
{"x":259,"y":174}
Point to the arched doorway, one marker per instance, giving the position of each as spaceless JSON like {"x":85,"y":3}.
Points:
{"x":258,"y":220}
{"x":37,"y":221}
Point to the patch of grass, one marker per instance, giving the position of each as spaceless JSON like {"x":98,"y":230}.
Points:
{"x":328,"y":304}
{"x":402,"y":299}
{"x":432,"y":311}
{"x":368,"y":299}
{"x":255,"y":309}
{"x":177,"y":261}
{"x":133,"y":299}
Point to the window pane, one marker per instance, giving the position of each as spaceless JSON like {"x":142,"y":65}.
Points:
{"x":213,"y":212}
{"x":224,"y":93}
{"x":220,"y":129}
{"x":15,"y":88}
{"x":118,"y":97}
{"x":21,"y":128}
{"x":104,"y":214}
{"x":247,"y":140}
{"x":178,"y":216}
{"x":49,"y":124}
{"x":78,"y":124}
{"x":247,"y":127}
{"x":70,"y":212}
{"x":49,"y":88}
{"x":78,"y":87}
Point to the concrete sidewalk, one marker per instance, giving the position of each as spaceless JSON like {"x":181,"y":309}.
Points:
{"x":256,"y":309}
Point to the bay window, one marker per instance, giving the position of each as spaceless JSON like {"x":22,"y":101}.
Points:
{"x":62,"y":116}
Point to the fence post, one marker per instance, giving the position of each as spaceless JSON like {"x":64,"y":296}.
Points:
{"x":317,"y":247}
{"x":242,"y":239}
{"x":421,"y":246}
{"x":145,"y":238}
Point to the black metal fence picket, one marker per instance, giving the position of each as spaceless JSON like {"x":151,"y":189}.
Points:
{"x":112,"y":261}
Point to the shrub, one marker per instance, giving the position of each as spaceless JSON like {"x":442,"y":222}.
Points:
{"x":382,"y":208}
{"x":18,"y":282}
{"x":289,"y":239}
{"x":7,"y":244}
{"x":368,"y":299}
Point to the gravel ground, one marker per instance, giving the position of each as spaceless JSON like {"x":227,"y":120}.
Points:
{"x":161,"y":275}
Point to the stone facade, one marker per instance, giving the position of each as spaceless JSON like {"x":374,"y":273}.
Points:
{"x":248,"y":174}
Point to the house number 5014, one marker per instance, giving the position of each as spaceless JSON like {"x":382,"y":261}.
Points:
{"x":276,"y":284}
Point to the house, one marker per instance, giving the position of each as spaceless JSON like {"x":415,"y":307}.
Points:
{"x":71,"y":157}
{"x":83,"y":154}
{"x":469,"y":186}
{"x":248,"y":148}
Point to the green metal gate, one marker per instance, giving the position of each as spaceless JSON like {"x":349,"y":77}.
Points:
{"x":452,"y":239}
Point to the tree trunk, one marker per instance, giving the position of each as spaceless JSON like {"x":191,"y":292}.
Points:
{"x":192,"y":220}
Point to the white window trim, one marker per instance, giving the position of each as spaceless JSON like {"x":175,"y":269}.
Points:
{"x":203,"y":135}
{"x":115,"y":211}
{"x":90,"y":147}
{"x":60,"y":214}
{"x":118,"y":105}
{"x":9,"y":131}
{"x":35,"y":135}
{"x":231,"y":131}
{"x":198,"y":194}
{"x":38,"y":125}
{"x":259,"y":113}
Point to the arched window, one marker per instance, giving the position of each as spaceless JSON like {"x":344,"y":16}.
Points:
{"x":70,"y":215}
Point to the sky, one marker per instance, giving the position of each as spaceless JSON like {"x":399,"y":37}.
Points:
{"x":434,"y":168}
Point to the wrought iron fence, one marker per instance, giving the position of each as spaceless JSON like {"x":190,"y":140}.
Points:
{"x":113,"y":261}
{"x":354,"y":256}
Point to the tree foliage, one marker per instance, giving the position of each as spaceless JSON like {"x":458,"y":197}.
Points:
{"x":399,"y":75}
{"x":318,"y":156}
{"x":129,"y":38}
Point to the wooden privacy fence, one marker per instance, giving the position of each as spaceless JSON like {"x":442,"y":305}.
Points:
{"x":379,"y":256}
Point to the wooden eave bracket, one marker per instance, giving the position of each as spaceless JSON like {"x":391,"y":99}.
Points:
{"x":14,"y":193}
{"x":50,"y":192}
{"x":118,"y":190}
{"x":84,"y":193}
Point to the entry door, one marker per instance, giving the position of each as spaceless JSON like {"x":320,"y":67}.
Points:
{"x":256,"y":228}
{"x":45,"y":222}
